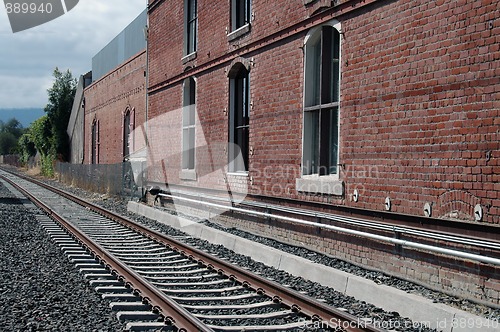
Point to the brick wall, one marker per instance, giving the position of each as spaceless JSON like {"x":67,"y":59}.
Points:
{"x":421,"y":105}
{"x":420,"y":98}
{"x":107,"y":100}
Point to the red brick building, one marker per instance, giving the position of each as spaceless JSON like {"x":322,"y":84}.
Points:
{"x":349,"y":103}
{"x":114,"y":106}
{"x":375,"y":105}
{"x":115,"y":102}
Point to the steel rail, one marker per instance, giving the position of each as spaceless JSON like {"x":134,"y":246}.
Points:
{"x":296,"y":301}
{"x":172,"y":312}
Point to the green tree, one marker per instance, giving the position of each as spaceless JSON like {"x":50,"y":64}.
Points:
{"x":10,"y":131}
{"x":40,"y":134}
{"x":48,"y":134}
{"x":8,"y":143}
{"x":12,"y":126}
{"x":26,"y":147}
{"x":58,"y":109}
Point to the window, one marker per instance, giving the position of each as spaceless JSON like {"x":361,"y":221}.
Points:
{"x":128,"y":127}
{"x":94,"y":144}
{"x":240,"y":13}
{"x":190,"y":26}
{"x":239,"y":118}
{"x":321,"y":104}
{"x":188,"y":123}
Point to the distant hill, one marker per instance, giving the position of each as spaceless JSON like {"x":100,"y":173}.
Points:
{"x":24,"y":115}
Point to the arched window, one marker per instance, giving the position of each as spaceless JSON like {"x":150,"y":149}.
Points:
{"x":239,"y":117}
{"x":188,"y":123}
{"x":321,"y":100}
{"x":126,"y":134}
{"x":94,"y":144}
{"x":128,"y":128}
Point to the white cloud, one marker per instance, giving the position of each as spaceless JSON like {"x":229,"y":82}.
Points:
{"x":29,"y":57}
{"x":24,"y":91}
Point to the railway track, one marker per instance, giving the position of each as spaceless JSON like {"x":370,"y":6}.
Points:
{"x":162,"y":283}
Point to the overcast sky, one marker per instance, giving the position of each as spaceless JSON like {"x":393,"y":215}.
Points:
{"x":28,"y":58}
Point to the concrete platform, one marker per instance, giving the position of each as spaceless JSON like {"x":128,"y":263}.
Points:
{"x":417,"y":308}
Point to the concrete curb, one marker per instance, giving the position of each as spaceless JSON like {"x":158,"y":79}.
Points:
{"x":417,"y":308}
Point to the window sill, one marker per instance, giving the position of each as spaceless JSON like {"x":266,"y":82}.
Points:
{"x":245,"y":174}
{"x":188,"y":58}
{"x":239,"y":32}
{"x":188,"y":174}
{"x":329,"y":185}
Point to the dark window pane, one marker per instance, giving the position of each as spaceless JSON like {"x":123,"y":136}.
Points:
{"x":192,"y":89}
{"x":239,"y":119}
{"x":335,"y":67}
{"x":94,"y":139}
{"x":126,"y":135}
{"x":326,"y":64}
{"x":192,"y":9}
{"x":315,"y":142}
{"x":192,"y":37}
{"x":316,"y":74}
{"x":240,"y":13}
{"x":191,"y":22}
{"x":334,"y":139}
{"x":242,"y":142}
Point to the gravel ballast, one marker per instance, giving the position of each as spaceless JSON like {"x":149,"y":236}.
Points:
{"x":40,"y":290}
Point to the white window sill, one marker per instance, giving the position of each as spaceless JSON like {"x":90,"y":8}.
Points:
{"x":330,"y":185}
{"x":245,"y":174}
{"x":188,"y":174}
{"x":239,"y":32}
{"x":188,"y":58}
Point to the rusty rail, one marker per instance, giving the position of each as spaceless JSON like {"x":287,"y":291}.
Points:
{"x":168,"y":308}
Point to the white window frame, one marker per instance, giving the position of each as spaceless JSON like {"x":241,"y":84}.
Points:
{"x":315,"y":183}
{"x":188,"y":173}
{"x":232,"y":126}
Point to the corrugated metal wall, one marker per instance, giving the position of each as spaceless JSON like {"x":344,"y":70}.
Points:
{"x":128,"y":43}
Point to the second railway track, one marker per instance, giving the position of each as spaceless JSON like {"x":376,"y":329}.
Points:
{"x":186,"y":288}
